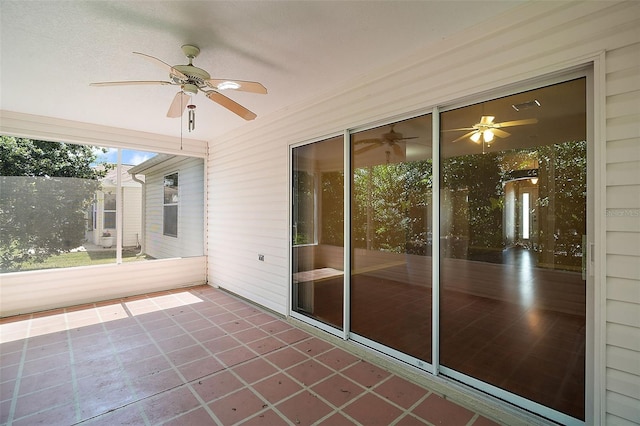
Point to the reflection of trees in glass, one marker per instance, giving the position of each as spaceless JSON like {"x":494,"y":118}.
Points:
{"x":390,"y":207}
{"x":46,"y":189}
{"x":473,"y":186}
{"x":332,"y":209}
{"x":478,"y":221}
{"x":303,"y":207}
{"x":563,"y":196}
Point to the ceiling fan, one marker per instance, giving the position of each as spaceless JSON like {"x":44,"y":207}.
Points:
{"x":487,"y":129}
{"x":390,"y":138}
{"x":192,"y":79}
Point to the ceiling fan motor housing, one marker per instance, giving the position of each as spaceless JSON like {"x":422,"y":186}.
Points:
{"x":190,"y":89}
{"x":195,"y":75}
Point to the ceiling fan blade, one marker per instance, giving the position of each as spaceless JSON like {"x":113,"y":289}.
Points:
{"x":231,"y":105}
{"x":130,"y":83}
{"x":174,"y":72}
{"x":487,"y":119}
{"x":240,"y":85}
{"x":466,"y":135}
{"x":517,"y":122}
{"x":178,"y":105}
{"x":406,"y":139}
{"x":500,"y":133}
{"x":376,"y":141}
{"x":365,"y":149}
{"x":460,"y":129}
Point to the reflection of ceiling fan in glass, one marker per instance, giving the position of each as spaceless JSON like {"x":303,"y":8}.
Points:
{"x":486,"y":129}
{"x":389,"y":139}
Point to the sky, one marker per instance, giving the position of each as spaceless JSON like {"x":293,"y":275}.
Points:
{"x":129,"y":156}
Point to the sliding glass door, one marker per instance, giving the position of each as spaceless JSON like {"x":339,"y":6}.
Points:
{"x":318,"y":231}
{"x":513,"y":220}
{"x":486,"y":287}
{"x":391,"y":236}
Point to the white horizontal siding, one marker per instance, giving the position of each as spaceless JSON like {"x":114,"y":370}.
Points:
{"x":32,"y":291}
{"x":624,"y":197}
{"x":622,"y":383}
{"x":623,"y":409}
{"x":623,"y":290}
{"x":619,"y":266}
{"x":623,"y":233}
{"x":624,"y":173}
{"x":623,"y":242}
{"x":190,"y":239}
{"x":624,"y":150}
{"x":625,"y":313}
{"x":623,"y":336}
{"x":622,"y":223}
{"x":250,"y":207}
{"x":612,"y":420}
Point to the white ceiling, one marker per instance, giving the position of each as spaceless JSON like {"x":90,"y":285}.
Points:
{"x":52,"y":50}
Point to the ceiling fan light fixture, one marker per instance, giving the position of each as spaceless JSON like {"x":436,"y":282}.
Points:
{"x":487,"y":135}
{"x":476,"y":136}
{"x":226,"y":85}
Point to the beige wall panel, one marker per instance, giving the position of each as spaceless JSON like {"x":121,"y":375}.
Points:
{"x":624,"y":313}
{"x":625,"y":359}
{"x":626,"y":290}
{"x":624,"y":197}
{"x":624,"y":243}
{"x":623,"y":407}
{"x":623,"y":336}
{"x":624,"y":150}
{"x":33,"y":291}
{"x":623,"y":383}
{"x":619,"y":221}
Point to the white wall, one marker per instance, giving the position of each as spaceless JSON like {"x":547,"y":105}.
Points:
{"x":32,"y":291}
{"x":623,"y":233}
{"x":190,"y":239}
{"x":131,"y":216}
{"x":249,"y":183}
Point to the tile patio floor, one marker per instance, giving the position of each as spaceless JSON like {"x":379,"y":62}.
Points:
{"x":196,"y":356}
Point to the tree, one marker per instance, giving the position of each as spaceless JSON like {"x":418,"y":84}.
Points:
{"x":390,"y":207}
{"x":45,"y":190}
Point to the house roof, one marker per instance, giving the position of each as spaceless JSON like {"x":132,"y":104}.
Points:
{"x":300,"y":50}
{"x":151,"y":162}
{"x":112,"y":175}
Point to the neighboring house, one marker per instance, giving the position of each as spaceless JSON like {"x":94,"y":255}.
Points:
{"x":172,"y":207}
{"x":102,"y":214}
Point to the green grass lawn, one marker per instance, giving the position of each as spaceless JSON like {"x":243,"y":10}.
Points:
{"x":83,"y":258}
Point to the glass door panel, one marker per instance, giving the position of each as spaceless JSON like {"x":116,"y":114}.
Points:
{"x":513,"y":217}
{"x":318,"y":230}
{"x":391,"y":235}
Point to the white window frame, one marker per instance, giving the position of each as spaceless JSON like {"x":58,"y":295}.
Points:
{"x":175,"y":204}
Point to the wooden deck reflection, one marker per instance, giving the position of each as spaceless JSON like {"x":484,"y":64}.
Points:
{"x":514,"y":326}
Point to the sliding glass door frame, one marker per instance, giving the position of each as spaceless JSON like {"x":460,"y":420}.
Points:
{"x":435,"y":367}
{"x":349,"y":169}
{"x":339,"y":332}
